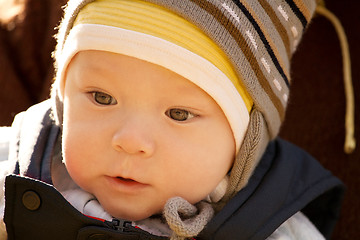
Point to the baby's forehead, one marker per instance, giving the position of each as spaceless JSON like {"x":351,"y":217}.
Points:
{"x":101,"y":66}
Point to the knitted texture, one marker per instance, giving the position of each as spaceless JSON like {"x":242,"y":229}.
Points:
{"x":253,"y":147}
{"x":185,"y":219}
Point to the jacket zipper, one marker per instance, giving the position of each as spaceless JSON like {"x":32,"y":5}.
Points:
{"x":119,"y":224}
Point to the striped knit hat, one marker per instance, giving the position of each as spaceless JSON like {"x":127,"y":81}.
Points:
{"x":257,"y":38}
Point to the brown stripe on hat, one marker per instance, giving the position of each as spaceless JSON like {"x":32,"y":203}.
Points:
{"x":304,"y":9}
{"x":279,"y":26}
{"x":297,"y":12}
{"x":243,"y":45}
{"x":289,"y":20}
{"x":263,"y":39}
{"x":275,"y":44}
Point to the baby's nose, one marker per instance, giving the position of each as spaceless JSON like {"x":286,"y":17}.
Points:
{"x":134,"y":137}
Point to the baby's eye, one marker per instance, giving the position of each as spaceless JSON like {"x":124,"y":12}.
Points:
{"x":179,"y":114}
{"x":103,"y":98}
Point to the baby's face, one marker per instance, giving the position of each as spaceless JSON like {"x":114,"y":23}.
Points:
{"x":136,"y":134}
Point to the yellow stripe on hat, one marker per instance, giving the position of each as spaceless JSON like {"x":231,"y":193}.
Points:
{"x":157,"y":21}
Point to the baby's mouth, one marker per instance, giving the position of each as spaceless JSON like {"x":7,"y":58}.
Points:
{"x":129,"y":180}
{"x":126,"y":184}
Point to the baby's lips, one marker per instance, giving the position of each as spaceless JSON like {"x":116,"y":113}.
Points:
{"x":126,"y":179}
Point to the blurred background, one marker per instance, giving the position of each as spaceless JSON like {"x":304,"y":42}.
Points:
{"x":315,"y":117}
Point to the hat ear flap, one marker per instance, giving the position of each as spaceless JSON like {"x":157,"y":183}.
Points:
{"x":252,"y":148}
{"x":57,"y":107}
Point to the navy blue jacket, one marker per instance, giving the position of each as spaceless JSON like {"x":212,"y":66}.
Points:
{"x":286,"y":181}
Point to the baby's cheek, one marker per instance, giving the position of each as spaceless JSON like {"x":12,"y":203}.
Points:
{"x":73,"y":163}
{"x":70,"y":164}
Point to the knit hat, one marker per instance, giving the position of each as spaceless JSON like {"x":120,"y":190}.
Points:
{"x":255,"y":38}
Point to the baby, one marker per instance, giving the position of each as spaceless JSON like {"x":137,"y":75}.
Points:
{"x":163,"y":123}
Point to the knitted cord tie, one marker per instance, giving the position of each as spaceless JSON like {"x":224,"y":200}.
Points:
{"x":350,"y":142}
{"x":185,"y":219}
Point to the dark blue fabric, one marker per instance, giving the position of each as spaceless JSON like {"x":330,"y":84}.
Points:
{"x":56,"y":219}
{"x":285,"y":182}
{"x":37,"y":135}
